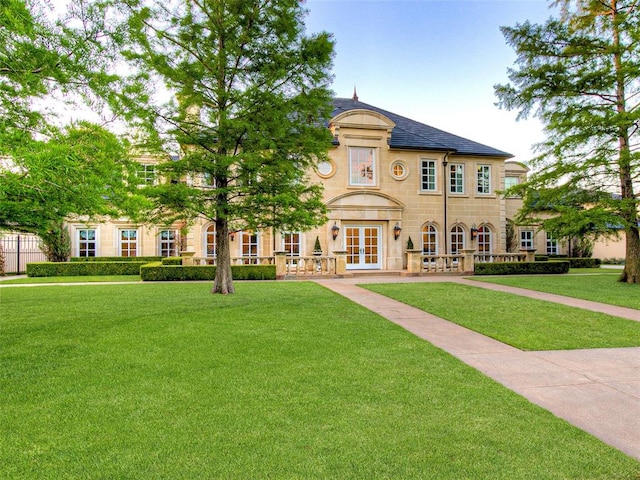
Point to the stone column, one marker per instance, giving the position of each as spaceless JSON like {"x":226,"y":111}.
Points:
{"x":187,"y":257}
{"x":414,"y":265}
{"x":531,"y":254}
{"x":281,"y":265}
{"x":469,"y":264}
{"x":341,"y":261}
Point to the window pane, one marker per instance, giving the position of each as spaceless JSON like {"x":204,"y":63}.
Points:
{"x":456,"y":178}
{"x":484,"y":179}
{"x":429,"y":240}
{"x":210,"y":241}
{"x":428,"y":182}
{"x":362,"y":166}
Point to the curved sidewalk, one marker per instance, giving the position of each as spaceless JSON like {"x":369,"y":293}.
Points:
{"x":596,"y":390}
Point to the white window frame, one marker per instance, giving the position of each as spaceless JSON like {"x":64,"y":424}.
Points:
{"x":429,"y":235}
{"x":87,"y":241}
{"x":456,"y":178}
{"x":251,"y":241}
{"x":146,"y":174}
{"x":428,"y":175}
{"x":511,"y":181}
{"x":122,"y":242}
{"x":485,"y":239}
{"x":483,"y":179}
{"x":526,"y":239}
{"x":168,"y":245}
{"x":363,"y":167}
{"x":210,"y":241}
{"x":457,"y":238}
{"x":552,"y":245}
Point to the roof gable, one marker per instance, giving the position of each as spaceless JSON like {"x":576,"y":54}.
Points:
{"x":412,"y":135}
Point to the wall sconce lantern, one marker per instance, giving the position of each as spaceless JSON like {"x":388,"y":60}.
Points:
{"x":232,"y":235}
{"x":396,"y":231}
{"x":335,"y":230}
{"x":474,"y":232}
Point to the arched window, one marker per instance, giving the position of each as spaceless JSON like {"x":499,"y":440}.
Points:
{"x":457,"y":240}
{"x":210,"y":241}
{"x":484,"y":239}
{"x":429,"y":240}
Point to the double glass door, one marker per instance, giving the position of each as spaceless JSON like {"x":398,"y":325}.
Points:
{"x":363,"y":247}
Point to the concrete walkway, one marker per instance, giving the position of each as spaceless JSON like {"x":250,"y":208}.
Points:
{"x":596,"y":390}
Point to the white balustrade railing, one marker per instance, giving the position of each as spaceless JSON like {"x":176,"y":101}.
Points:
{"x":442,"y":263}
{"x":310,"y":266}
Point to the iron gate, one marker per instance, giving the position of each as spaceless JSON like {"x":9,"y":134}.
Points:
{"x":19,"y":250}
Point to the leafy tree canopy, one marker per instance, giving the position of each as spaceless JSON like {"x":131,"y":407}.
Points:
{"x":580,"y":74}
{"x":246,"y":101}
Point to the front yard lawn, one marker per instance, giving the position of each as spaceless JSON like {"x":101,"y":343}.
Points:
{"x":282,"y":381}
{"x":598,"y":288}
{"x":524,"y":323}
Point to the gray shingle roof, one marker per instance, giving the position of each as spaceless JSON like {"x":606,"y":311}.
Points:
{"x":409,"y":134}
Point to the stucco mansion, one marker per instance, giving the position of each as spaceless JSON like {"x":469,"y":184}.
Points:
{"x":390,"y":184}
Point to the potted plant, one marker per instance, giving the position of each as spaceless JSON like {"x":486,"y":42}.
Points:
{"x":317,"y":249}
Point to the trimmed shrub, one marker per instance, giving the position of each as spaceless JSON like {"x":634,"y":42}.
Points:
{"x":172,"y":261}
{"x":157,"y":272}
{"x":78,"y":269}
{"x":116,"y":259}
{"x":579,"y":262}
{"x":542,"y":258}
{"x":521,"y":268}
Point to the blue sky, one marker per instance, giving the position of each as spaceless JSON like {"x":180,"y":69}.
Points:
{"x":434,"y":61}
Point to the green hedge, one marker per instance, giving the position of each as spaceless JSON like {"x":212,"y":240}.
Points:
{"x":521,"y":268}
{"x":116,"y":259}
{"x":156,"y":272}
{"x":585,"y":262}
{"x":73,"y":269}
{"x":172,"y":261}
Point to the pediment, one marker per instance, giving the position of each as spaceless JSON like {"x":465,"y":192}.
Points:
{"x":361,"y":118}
{"x":365,"y":201}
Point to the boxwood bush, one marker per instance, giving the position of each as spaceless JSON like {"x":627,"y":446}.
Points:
{"x":172,"y":261}
{"x":72,"y":269}
{"x":585,"y":262}
{"x":115,"y":259}
{"x":521,"y":268}
{"x":156,"y":272}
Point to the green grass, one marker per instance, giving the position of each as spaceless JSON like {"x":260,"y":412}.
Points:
{"x":598,"y":288}
{"x":281,"y":380}
{"x":77,"y":279}
{"x":524,"y":323}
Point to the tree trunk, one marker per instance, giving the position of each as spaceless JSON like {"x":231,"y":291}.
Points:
{"x":223,"y":282}
{"x":631,"y":272}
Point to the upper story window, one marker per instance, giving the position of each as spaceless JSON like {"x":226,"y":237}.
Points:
{"x":362,"y":166}
{"x":399,"y":170}
{"x":456,"y":178}
{"x":428,"y":175}
{"x":510,"y":182}
{"x":146,"y":174}
{"x":483,"y":179}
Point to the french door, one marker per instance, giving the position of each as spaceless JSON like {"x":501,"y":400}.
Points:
{"x":363,"y":247}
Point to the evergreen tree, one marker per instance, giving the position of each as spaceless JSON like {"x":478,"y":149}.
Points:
{"x":580,"y":74}
{"x":250,"y":101}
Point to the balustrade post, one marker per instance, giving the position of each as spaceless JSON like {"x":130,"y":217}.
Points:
{"x":187,"y":257}
{"x":531,"y":254}
{"x":341,"y":261}
{"x":414,"y":265}
{"x":281,"y":265}
{"x":469,"y":262}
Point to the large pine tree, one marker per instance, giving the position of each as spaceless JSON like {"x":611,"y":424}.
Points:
{"x":580,"y":74}
{"x":249,"y":96}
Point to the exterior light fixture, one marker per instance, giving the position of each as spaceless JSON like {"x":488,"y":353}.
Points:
{"x":335,"y":230}
{"x":474,"y":232}
{"x":232,"y":235}
{"x":396,"y":231}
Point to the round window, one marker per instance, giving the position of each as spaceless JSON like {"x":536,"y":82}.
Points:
{"x":399,"y":170}
{"x":325,"y":169}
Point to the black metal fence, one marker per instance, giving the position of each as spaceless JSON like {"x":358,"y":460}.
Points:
{"x":18,"y":250}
